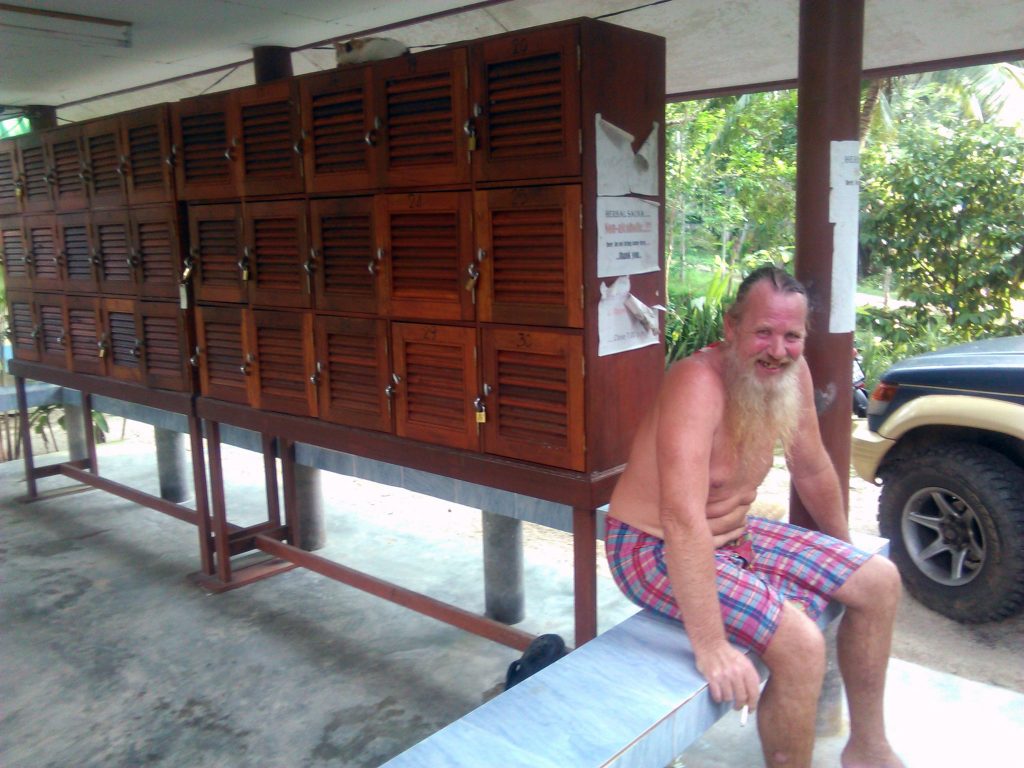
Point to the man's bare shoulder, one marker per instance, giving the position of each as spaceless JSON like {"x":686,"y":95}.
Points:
{"x":702,"y":368}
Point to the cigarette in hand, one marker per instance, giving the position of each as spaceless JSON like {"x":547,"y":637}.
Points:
{"x":744,"y":714}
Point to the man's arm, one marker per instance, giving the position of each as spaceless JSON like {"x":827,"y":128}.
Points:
{"x":690,"y":411}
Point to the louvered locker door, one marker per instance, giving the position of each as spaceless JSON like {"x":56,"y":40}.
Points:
{"x":146,"y":140}
{"x":281,"y":267}
{"x":270,"y":143}
{"x":533,"y":385}
{"x":17,"y":255}
{"x":204,"y":147}
{"x":105,"y":162}
{"x":34,"y":175}
{"x":11,"y":186}
{"x":530,"y":255}
{"x":423,"y":107}
{"x":165,"y":361}
{"x":67,"y":168}
{"x":124,"y":342}
{"x":51,"y":313}
{"x":526,"y":91}
{"x":24,"y":326}
{"x":352,"y":372}
{"x":225,"y":364}
{"x":117,"y":259}
{"x":435,"y":384}
{"x":346,"y":263}
{"x":74,"y":238}
{"x":44,"y":251}
{"x":339,"y":130}
{"x":283,"y":371}
{"x":216,"y":254}
{"x":87,"y":343}
{"x":428,"y":271}
{"x":157,"y":250}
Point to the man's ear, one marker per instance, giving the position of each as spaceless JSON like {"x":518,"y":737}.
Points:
{"x":728,"y":329}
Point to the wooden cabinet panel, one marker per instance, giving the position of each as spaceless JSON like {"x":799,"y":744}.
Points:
{"x":215,"y":234}
{"x":24,"y":326}
{"x":533,"y":385}
{"x":422,"y":101}
{"x":530,"y":255}
{"x":11,"y":186}
{"x":51,"y":314}
{"x":347,"y":263}
{"x":224,"y":364}
{"x":270,"y":147}
{"x":157,"y":250}
{"x":74,"y":237}
{"x":146,"y":142}
{"x":352,"y":372}
{"x":282,"y":347}
{"x":34,"y":175}
{"x":427,"y":269}
{"x":67,"y":168}
{"x":124,"y":345}
{"x":17,"y":255}
{"x":86,"y":340}
{"x":105,"y":163}
{"x":341,"y":130}
{"x":280,"y":268}
{"x":44,"y":252}
{"x":526,"y":91}
{"x":165,"y":361}
{"x":116,"y":258}
{"x":204,"y":148}
{"x":435,"y":383}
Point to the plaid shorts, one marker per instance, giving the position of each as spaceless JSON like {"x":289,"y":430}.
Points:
{"x":771,"y":563}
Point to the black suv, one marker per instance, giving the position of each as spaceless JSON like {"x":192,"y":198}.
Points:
{"x":945,"y":437}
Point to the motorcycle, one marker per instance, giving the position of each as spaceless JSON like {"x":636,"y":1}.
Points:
{"x":860,"y":392}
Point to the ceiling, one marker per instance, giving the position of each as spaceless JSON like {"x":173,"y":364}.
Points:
{"x":92,"y":69}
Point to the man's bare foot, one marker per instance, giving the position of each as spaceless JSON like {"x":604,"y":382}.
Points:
{"x":857,"y":756}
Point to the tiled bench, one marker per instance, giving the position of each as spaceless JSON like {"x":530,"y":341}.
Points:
{"x":630,"y":697}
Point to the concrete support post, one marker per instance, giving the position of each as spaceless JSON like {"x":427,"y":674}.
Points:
{"x":310,"y":508}
{"x":74,"y":426}
{"x":271,"y":62}
{"x":171,"y":466}
{"x":40,"y":116}
{"x":503,"y":567}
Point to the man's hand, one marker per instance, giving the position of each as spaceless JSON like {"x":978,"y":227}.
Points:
{"x":731,"y":676}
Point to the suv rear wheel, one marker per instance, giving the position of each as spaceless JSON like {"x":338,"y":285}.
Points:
{"x":954,"y":517}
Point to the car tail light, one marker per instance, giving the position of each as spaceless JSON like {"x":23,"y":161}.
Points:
{"x":884,"y":393}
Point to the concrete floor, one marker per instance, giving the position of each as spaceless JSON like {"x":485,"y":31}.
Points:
{"x":111,"y":656}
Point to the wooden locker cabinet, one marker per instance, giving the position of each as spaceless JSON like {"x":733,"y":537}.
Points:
{"x":51,"y":314}
{"x":17,"y":253}
{"x":533,"y":394}
{"x":346,"y":257}
{"x":526,"y":95}
{"x":23,"y":326}
{"x":43,"y":245}
{"x":352,"y":372}
{"x":529,"y":241}
{"x":422,"y":104}
{"x":428,"y":271}
{"x":278,"y":265}
{"x":116,"y":259}
{"x":105,"y":163}
{"x":34,"y":178}
{"x":156,"y":251}
{"x":67,"y":168}
{"x":221,"y":344}
{"x":435,"y":384}
{"x":340,"y":128}
{"x":74,"y":239}
{"x":11,"y":186}
{"x":216,"y":253}
{"x":123,"y":346}
{"x":205,"y":147}
{"x":146,"y":142}
{"x":282,"y":377}
{"x":269,"y":156}
{"x":86,"y":339}
{"x":164,"y":334}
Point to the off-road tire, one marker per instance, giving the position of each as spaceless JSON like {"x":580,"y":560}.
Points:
{"x":992,"y":487}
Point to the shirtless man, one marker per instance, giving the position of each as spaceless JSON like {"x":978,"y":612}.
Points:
{"x":679,"y":540}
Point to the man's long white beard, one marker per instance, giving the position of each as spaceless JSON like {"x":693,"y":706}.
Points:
{"x":759,"y":411}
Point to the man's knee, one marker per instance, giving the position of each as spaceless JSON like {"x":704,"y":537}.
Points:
{"x":876,"y":586}
{"x":798,"y":645}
